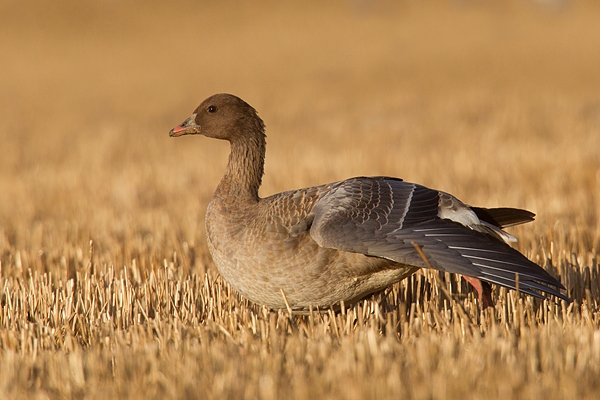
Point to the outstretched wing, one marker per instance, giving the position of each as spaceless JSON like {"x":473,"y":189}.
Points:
{"x":386,"y":217}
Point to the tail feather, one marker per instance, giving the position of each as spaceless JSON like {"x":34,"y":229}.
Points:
{"x":503,"y":217}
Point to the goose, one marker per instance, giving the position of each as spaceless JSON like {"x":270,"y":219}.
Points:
{"x":316,"y":247}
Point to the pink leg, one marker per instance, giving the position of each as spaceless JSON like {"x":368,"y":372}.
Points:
{"x":483,"y":289}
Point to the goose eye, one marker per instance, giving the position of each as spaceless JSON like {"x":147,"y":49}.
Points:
{"x":212,"y":109}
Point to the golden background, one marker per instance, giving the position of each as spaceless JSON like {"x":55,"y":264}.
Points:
{"x":495,"y":102}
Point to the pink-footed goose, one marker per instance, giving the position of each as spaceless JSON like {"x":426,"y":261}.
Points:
{"x":344,"y":240}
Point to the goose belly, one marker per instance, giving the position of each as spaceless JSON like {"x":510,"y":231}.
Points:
{"x":297,"y":270}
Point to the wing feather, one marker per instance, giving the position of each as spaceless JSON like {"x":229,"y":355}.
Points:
{"x":385,"y":217}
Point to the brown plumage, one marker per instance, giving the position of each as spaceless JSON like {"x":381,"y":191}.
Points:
{"x":341,"y":241}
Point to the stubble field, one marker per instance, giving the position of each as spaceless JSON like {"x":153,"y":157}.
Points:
{"x":107,"y":287}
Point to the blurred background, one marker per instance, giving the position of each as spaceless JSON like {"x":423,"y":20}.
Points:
{"x":497,"y":102}
{"x":494,"y":101}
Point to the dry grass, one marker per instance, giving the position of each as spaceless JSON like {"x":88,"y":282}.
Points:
{"x":107,"y":288}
